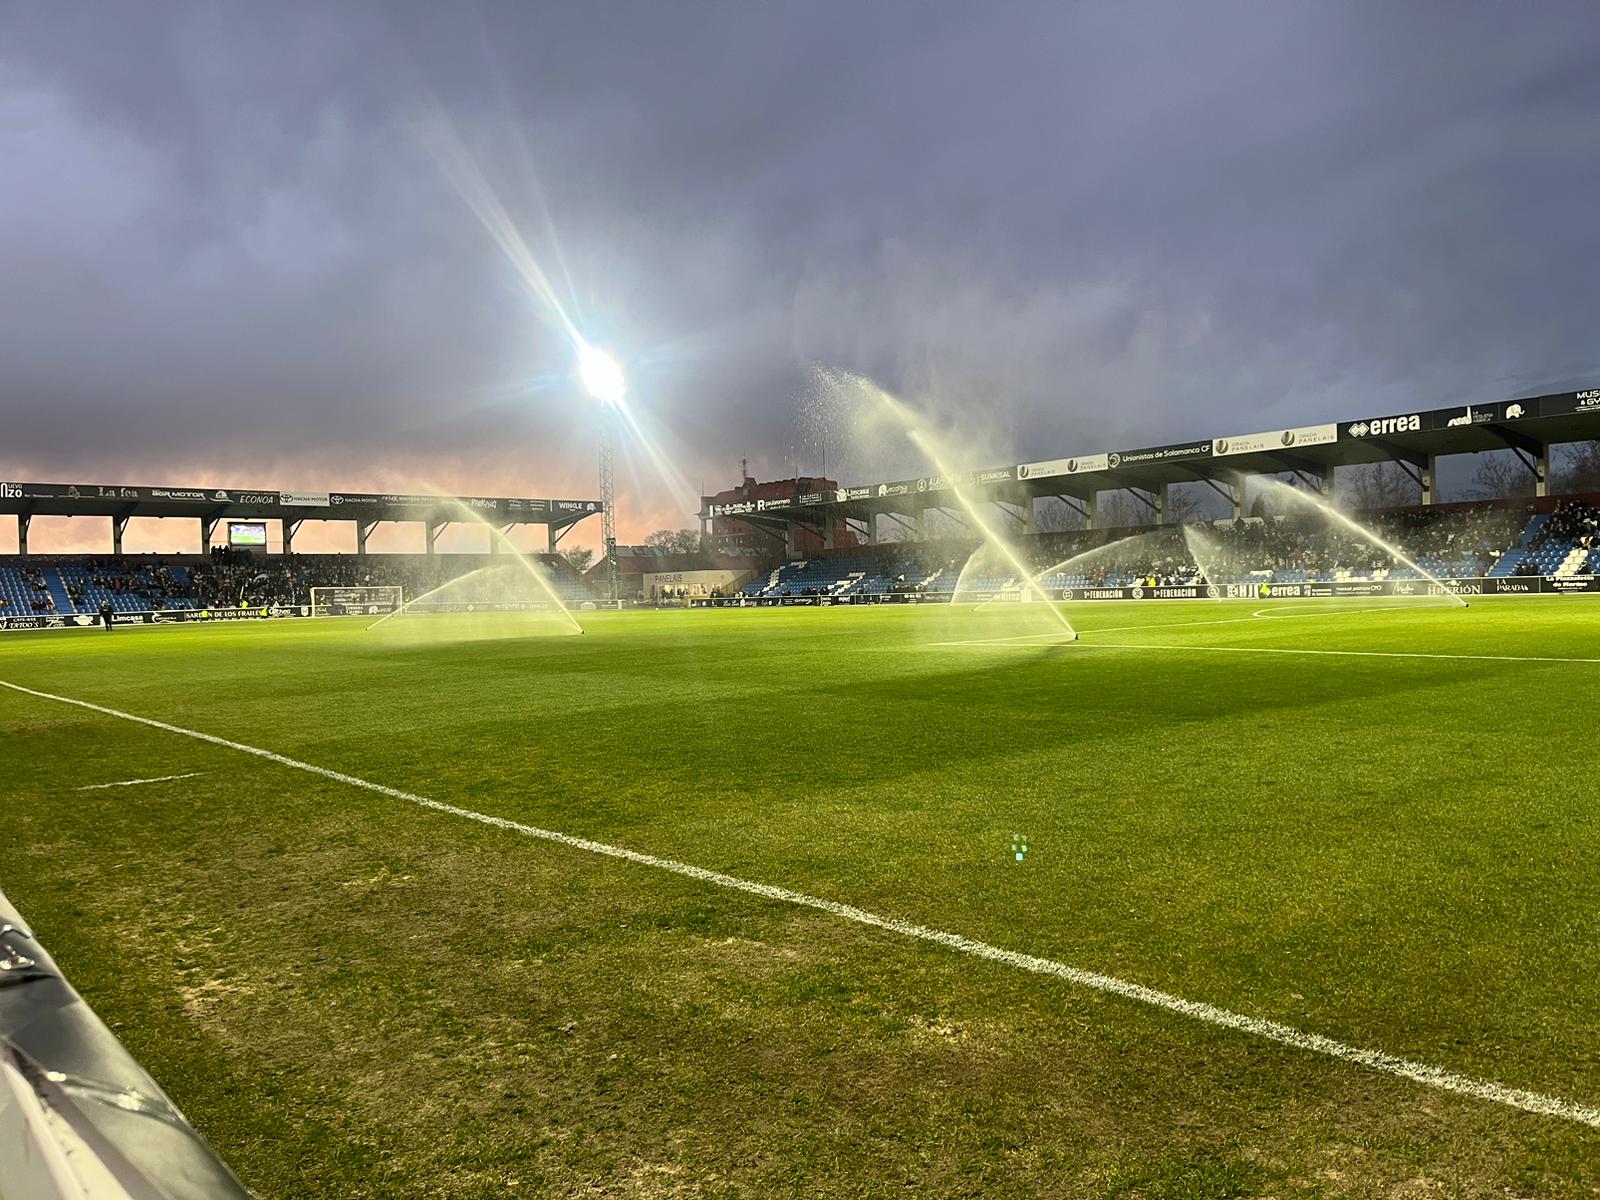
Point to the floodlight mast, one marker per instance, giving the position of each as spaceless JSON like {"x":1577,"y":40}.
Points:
{"x":603,"y":379}
{"x":608,"y":502}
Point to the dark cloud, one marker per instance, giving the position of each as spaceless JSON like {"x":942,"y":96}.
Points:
{"x":227,"y":244}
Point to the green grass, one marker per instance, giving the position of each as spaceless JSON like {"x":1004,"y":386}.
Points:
{"x":355,"y":997}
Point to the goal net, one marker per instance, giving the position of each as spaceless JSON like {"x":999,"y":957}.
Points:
{"x":373,"y":601}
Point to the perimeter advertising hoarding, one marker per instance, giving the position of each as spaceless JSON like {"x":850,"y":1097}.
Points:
{"x":172,"y":616}
{"x":1559,"y":404}
{"x":101,"y":491}
{"x":353,"y":600}
{"x":1175,"y":452}
{"x":253,"y":498}
{"x":1576,"y":583}
{"x":1064,"y":466}
{"x":1568,"y":403}
{"x":1277,"y":439}
{"x":1346,"y":589}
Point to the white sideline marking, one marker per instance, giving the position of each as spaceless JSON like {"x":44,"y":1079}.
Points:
{"x":1524,"y":658}
{"x":89,"y":787}
{"x":1377,"y":1060}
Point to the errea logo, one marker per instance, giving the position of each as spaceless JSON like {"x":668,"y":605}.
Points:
{"x":1386,"y":425}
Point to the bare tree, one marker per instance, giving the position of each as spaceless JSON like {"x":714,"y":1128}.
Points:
{"x":1007,"y":519}
{"x":1190,"y":502}
{"x":1500,"y":474}
{"x":1580,"y":472}
{"x":674,"y":541}
{"x":1118,"y":511}
{"x":1054,"y":515}
{"x":941,"y":523}
{"x":1183,"y":507}
{"x":1378,"y":485}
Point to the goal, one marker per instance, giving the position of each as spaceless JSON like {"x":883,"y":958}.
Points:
{"x":372,"y":601}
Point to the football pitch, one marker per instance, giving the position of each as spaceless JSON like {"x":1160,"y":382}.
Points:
{"x":736,"y":902}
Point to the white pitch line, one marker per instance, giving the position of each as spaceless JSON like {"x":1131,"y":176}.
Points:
{"x":1521,"y":658}
{"x":89,"y":787}
{"x":1540,"y":1103}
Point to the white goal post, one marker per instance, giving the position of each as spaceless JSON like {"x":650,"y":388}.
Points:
{"x":371,"y":601}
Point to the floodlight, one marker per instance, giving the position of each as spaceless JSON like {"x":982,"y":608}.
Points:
{"x":601,"y":374}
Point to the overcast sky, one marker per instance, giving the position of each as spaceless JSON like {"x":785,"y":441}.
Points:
{"x":243,"y":245}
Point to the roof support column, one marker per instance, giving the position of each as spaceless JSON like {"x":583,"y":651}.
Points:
{"x":362,"y":529}
{"x":23,"y":521}
{"x":431,"y":532}
{"x":828,"y":530}
{"x":1161,"y":504}
{"x":1541,"y":472}
{"x":1091,"y":511}
{"x":791,"y":539}
{"x":119,"y":525}
{"x":921,"y":530}
{"x":290,"y":528}
{"x":1428,"y":476}
{"x":872,"y":529}
{"x":208,"y":526}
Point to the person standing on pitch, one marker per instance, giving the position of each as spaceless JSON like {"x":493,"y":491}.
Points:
{"x":105,"y":614}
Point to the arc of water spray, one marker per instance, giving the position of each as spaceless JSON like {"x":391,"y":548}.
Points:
{"x":931,"y":452}
{"x":1387,"y":547}
{"x":449,"y":583}
{"x":522,"y":559}
{"x":1068,"y":561}
{"x":517,"y":556}
{"x":1191,"y":537}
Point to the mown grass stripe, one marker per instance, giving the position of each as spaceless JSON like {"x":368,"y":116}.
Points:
{"x":1439,"y":1078}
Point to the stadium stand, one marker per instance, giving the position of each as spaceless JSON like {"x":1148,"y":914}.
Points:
{"x":1451,"y":541}
{"x":235,"y":578}
{"x":1563,"y":544}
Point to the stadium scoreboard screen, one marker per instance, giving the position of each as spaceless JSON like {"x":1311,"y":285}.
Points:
{"x":247,"y":533}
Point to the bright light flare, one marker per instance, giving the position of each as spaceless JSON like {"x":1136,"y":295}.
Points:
{"x":601,"y":374}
